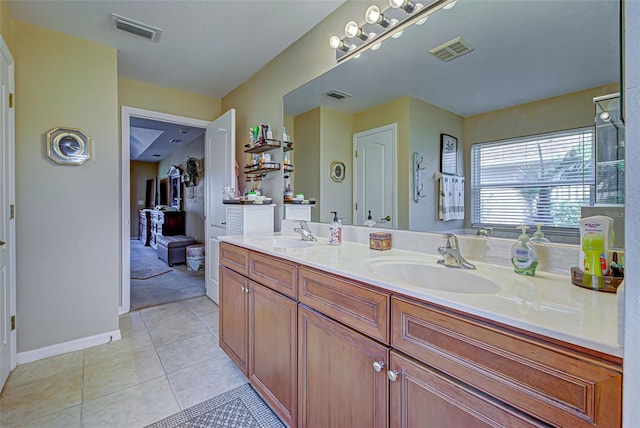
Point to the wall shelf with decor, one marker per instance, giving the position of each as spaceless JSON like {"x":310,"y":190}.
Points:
{"x":262,"y":146}
{"x":287,"y":146}
{"x":260,"y":169}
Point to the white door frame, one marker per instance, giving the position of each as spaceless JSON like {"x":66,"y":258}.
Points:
{"x":125,"y":262}
{"x":11,"y":190}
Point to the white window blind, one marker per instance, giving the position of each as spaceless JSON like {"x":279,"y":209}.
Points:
{"x":543,"y":178}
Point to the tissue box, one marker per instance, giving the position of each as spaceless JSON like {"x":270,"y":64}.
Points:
{"x":380,"y":241}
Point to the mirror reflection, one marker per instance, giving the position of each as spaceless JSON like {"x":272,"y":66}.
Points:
{"x":531,"y":69}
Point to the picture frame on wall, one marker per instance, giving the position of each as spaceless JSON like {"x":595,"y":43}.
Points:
{"x":448,"y":154}
{"x":337,"y":171}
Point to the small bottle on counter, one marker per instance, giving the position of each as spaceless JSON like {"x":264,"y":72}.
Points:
{"x":335,"y":230}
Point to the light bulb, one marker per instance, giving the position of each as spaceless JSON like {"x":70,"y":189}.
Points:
{"x":351,"y":29}
{"x":450,"y":5}
{"x":397,"y":3}
{"x":334,"y":42}
{"x":605,"y":116}
{"x":423,"y":20}
{"x":406,"y":5}
{"x":372,"y":14}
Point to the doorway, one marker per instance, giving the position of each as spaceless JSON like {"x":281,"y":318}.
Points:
{"x":178,"y":283}
{"x":374,"y":184}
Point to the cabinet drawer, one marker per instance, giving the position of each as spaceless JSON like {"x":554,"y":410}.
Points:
{"x":274,"y":273}
{"x":556,"y":385}
{"x":235,"y":258}
{"x":362,"y":308}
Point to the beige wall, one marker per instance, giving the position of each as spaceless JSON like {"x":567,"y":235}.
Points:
{"x":139,"y":173}
{"x":307,"y":155}
{"x":5,"y":24}
{"x":133,"y":93}
{"x":336,"y":144}
{"x":396,"y":111}
{"x":259,"y":99}
{"x":426,"y":123}
{"x":192,"y":197}
{"x":68,"y":216}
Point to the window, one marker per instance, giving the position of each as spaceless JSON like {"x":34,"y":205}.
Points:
{"x":543,"y":178}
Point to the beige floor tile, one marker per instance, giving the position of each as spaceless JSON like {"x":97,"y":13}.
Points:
{"x":210,"y":319}
{"x":136,"y":406}
{"x":171,"y":313}
{"x":120,"y":373}
{"x":187,"y":352}
{"x":42,"y":369}
{"x":167,"y":333}
{"x":202,"y":381}
{"x":131,"y":323}
{"x":68,"y":418}
{"x":201,"y":305}
{"x":25,"y":403}
{"x":141,"y":341}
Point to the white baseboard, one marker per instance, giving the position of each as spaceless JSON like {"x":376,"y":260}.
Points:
{"x":63,"y":348}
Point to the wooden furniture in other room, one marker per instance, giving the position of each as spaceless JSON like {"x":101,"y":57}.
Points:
{"x":144,"y":226}
{"x":165,"y":223}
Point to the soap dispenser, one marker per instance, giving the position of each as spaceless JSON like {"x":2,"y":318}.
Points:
{"x":335,"y":230}
{"x":538,"y":236}
{"x":370,"y":221}
{"x":523,"y":256}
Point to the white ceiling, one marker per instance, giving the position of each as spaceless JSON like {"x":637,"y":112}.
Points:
{"x":525,"y":50}
{"x":206,"y":47}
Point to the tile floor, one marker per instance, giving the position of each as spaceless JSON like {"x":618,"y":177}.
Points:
{"x":167,"y":360}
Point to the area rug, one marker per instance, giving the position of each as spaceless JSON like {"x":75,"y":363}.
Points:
{"x":238,"y":408}
{"x":148,"y":272}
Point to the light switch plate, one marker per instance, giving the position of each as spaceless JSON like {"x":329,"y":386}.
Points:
{"x":140,"y":203}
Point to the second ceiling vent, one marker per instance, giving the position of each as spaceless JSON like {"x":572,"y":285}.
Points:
{"x":451,"y":49}
{"x":135,"y":27}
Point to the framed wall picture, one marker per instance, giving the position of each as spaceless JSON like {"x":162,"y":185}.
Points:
{"x":448,"y":154}
{"x":337,"y":171}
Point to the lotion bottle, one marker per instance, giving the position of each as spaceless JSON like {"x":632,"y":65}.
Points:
{"x":523,"y":256}
{"x":538,"y":236}
{"x":335,"y":230}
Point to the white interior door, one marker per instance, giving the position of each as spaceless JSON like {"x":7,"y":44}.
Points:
{"x":375,"y":176}
{"x":7,"y":223}
{"x":220,"y":161}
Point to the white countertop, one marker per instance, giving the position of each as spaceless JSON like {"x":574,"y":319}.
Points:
{"x":547,"y":304}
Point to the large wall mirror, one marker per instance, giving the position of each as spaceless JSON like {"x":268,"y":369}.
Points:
{"x":534,"y":67}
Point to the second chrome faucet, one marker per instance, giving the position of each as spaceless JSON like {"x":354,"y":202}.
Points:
{"x":451,"y":253}
{"x":303,"y":230}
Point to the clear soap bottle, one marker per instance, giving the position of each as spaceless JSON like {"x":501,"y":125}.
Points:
{"x":335,"y":230}
{"x":538,"y":236}
{"x":523,"y":255}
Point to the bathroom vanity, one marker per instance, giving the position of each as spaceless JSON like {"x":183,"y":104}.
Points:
{"x":328,"y":337}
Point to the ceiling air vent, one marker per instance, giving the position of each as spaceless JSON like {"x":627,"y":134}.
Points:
{"x":338,"y":95}
{"x":451,"y":49}
{"x":135,"y":27}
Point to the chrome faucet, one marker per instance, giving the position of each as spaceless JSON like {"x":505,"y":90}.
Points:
{"x":451,"y":253}
{"x":303,"y":230}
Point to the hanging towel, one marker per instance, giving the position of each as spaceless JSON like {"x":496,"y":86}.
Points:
{"x":451,"y":200}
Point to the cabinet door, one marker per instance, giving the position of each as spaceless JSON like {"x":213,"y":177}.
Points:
{"x":272,"y":349}
{"x":234,"y":317}
{"x":337,"y":383}
{"x":421,"y":396}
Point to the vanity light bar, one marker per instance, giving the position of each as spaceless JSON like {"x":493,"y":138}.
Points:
{"x":375,"y":40}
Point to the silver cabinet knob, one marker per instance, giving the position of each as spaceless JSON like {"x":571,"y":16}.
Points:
{"x":392,"y":375}
{"x":378,"y":365}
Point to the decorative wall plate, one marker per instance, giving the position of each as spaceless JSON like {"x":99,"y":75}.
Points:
{"x":68,"y":146}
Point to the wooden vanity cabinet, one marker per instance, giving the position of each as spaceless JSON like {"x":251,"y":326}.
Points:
{"x":233,"y":318}
{"x":554,"y":384}
{"x":423,"y":396}
{"x":338,"y":384}
{"x":258,"y":327}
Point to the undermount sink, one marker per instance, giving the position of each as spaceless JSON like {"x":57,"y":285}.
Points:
{"x":290,"y":243}
{"x":283,"y":242}
{"x":428,"y":274}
